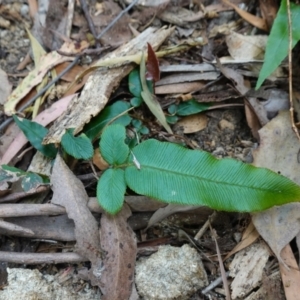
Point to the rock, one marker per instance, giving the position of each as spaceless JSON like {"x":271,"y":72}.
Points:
{"x":179,"y":269}
{"x":223,"y":124}
{"x":31,"y":284}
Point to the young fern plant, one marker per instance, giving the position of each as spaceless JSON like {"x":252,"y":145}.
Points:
{"x":174,"y":174}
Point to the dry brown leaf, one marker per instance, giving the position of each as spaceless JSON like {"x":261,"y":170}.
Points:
{"x":246,"y":46}
{"x":193,"y":123}
{"x":5,"y":87}
{"x":143,"y":203}
{"x":71,"y":75}
{"x":120,"y":33}
{"x":255,"y":21}
{"x":252,"y":120}
{"x":278,"y":226}
{"x":268,"y":10}
{"x":187,"y":77}
{"x":250,"y":235}
{"x":101,"y":84}
{"x":278,"y":151}
{"x":290,"y":277}
{"x":243,"y":87}
{"x":178,"y":88}
{"x":99,"y":161}
{"x":69,"y":192}
{"x":167,"y":211}
{"x":119,"y":242}
{"x":34,"y":78}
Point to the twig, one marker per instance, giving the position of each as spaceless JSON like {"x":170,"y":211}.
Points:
{"x":84,"y":52}
{"x":87,"y":15}
{"x":116,"y":19}
{"x":211,"y":218}
{"x":214,"y":284}
{"x":290,"y":70}
{"x":24,"y":210}
{"x":222,"y":269}
{"x":41,"y":258}
{"x":41,"y":92}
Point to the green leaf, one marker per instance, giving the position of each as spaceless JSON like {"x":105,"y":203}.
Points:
{"x":136,"y":102}
{"x":10,"y":174}
{"x":137,"y":124}
{"x":31,"y":181}
{"x":13,"y":169}
{"x":172,"y":119}
{"x":79,"y":147}
{"x":172,"y":109}
{"x":144,"y":130}
{"x":111,"y":189}
{"x":149,"y":99}
{"x":173,"y":174}
{"x":94,"y":127}
{"x":112,"y":145}
{"x":191,"y":107}
{"x":134,"y":83}
{"x":35,"y":134}
{"x":278,"y":41}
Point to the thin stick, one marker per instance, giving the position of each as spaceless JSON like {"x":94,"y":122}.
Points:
{"x":222,"y":269}
{"x":41,"y":258}
{"x":87,"y":15}
{"x":290,"y":70}
{"x":202,"y":230}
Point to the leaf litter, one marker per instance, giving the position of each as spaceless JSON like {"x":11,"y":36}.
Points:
{"x":218,"y":131}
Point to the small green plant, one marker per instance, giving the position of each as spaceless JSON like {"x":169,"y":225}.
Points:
{"x":169,"y":173}
{"x":174,"y":174}
{"x":278,"y":41}
{"x":79,"y":147}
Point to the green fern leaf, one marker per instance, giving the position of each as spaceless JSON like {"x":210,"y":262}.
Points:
{"x":173,"y":174}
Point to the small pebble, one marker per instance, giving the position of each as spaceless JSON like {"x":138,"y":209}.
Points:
{"x":24,"y":10}
{"x":223,"y":124}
